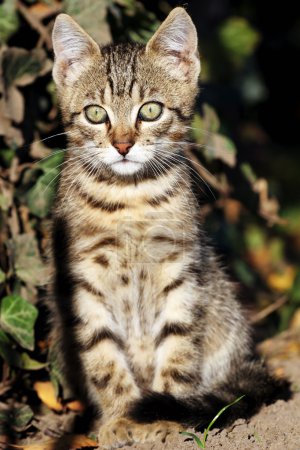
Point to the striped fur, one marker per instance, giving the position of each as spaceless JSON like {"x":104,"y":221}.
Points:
{"x":147,"y":321}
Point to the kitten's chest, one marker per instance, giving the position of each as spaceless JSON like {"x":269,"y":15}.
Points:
{"x":127,"y":260}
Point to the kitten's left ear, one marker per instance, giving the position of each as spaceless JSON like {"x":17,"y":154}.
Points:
{"x":175,"y":43}
{"x":74,"y":50}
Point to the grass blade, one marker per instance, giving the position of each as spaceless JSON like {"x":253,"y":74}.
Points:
{"x":196,"y":439}
{"x":218,"y":415}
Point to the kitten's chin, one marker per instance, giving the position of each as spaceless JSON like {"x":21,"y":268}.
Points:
{"x":126,"y":167}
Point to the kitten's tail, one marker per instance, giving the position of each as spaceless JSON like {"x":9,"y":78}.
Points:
{"x":257,"y":386}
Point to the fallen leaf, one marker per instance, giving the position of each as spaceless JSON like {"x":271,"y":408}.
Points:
{"x":15,"y":104}
{"x":221,"y":147}
{"x":27,"y":260}
{"x":46,"y":393}
{"x":295,"y":322}
{"x":42,"y":10}
{"x":75,"y":405}
{"x":282,"y":281}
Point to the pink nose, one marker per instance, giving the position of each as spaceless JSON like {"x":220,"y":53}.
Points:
{"x":123,"y":147}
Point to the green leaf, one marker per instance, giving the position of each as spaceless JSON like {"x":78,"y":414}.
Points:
{"x":17,"y":418}
{"x":2,"y":276}
{"x":53,"y":161}
{"x":40,"y":197}
{"x":4,"y":338}
{"x":91,"y":15}
{"x":16,"y":359}
{"x":243,"y":272}
{"x":28,"y":264}
{"x":8,"y":19}
{"x":21,"y":417}
{"x":9,"y":354}
{"x":255,"y":237}
{"x":7,"y":155}
{"x":28,"y":363}
{"x":238,"y":38}
{"x":17,"y":317}
{"x":21,"y":67}
{"x":248,"y":173}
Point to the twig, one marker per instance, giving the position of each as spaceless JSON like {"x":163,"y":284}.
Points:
{"x":35,"y":24}
{"x":269,"y":309}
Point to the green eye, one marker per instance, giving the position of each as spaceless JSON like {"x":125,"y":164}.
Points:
{"x":150,"y":111}
{"x":95,"y":114}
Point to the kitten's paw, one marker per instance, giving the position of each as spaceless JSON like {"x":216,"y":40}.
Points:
{"x":119,"y":432}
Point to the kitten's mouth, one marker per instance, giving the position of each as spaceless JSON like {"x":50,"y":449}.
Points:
{"x":126,"y":166}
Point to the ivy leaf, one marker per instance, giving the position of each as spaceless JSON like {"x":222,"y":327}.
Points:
{"x":21,"y":418}
{"x":91,"y":15}
{"x":28,"y":363}
{"x":40,"y":197}
{"x":22,"y":67}
{"x":8,"y":19}
{"x":27,"y":260}
{"x":17,"y":317}
{"x":17,"y":418}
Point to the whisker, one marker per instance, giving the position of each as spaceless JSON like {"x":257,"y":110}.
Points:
{"x":177,"y":155}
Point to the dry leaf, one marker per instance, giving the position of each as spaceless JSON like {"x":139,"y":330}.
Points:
{"x":76,"y":406}
{"x":71,"y":442}
{"x":282,"y":281}
{"x":15,"y":104}
{"x":46,"y":392}
{"x":295,"y":322}
{"x":42,"y":10}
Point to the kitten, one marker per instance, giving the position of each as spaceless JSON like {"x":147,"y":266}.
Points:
{"x":147,"y":321}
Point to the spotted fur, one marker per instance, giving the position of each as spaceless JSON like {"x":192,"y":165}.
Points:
{"x":147,"y":320}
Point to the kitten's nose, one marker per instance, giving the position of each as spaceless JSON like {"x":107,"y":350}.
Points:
{"x":123,"y":147}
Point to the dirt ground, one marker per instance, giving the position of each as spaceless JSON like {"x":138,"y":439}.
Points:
{"x":275,"y":427}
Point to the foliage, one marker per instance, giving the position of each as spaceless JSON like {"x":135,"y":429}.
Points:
{"x":240,"y":210}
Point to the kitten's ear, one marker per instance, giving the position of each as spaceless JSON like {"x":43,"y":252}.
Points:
{"x":74,"y":50}
{"x":176,"y":43}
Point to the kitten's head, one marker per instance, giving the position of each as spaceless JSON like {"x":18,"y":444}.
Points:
{"x":127,"y":106}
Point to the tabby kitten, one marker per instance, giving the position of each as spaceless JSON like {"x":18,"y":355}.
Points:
{"x":147,"y":321}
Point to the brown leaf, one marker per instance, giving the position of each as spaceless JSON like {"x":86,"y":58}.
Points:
{"x":12,"y":136}
{"x":220,"y":147}
{"x":282,"y":281}
{"x":295,"y":322}
{"x":268,"y":206}
{"x":75,"y":405}
{"x":46,"y":393}
{"x":15,"y":104}
{"x":41,"y":10}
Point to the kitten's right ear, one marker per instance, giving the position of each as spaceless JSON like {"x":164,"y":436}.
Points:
{"x":74,"y":50}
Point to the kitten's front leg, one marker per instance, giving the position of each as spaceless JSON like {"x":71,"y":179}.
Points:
{"x":115,"y":389}
{"x":178,"y":353}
